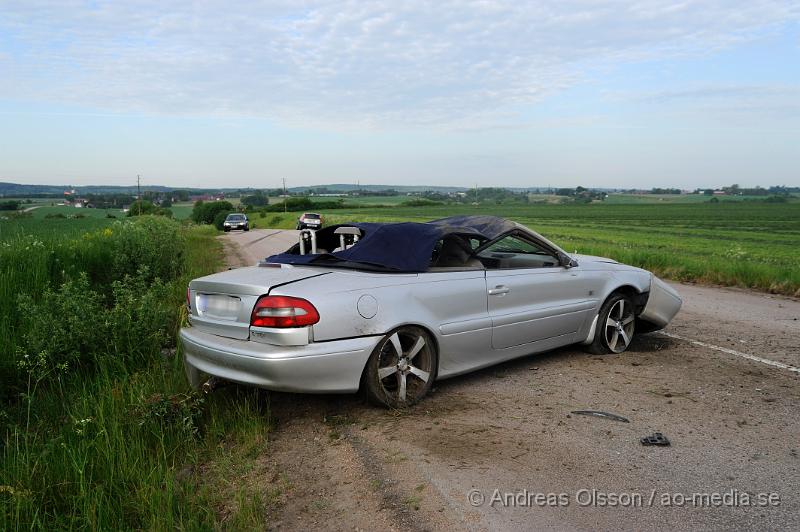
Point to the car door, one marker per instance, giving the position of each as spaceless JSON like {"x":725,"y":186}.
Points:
{"x":531,"y":296}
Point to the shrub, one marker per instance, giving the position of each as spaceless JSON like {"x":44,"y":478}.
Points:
{"x":219,"y":219}
{"x":62,"y":330}
{"x":152,"y":244}
{"x":206,"y":213}
{"x":73,"y":328}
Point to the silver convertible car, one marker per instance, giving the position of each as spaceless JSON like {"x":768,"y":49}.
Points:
{"x":389,"y":308}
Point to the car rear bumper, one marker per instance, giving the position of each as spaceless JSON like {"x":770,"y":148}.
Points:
{"x":321,"y":367}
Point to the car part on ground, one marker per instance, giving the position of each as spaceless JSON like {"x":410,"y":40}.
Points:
{"x":599,"y":413}
{"x":655,"y":439}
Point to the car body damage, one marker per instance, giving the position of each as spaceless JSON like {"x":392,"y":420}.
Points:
{"x":336,"y":320}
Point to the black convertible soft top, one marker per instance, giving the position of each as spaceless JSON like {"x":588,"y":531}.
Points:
{"x":400,"y":247}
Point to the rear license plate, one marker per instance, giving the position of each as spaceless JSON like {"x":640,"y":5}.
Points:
{"x":218,"y":306}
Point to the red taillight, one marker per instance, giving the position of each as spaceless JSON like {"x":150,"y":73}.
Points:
{"x":283,"y":311}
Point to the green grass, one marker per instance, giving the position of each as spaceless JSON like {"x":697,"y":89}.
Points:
{"x":124,"y":445}
{"x":182,"y":211}
{"x":747,"y":244}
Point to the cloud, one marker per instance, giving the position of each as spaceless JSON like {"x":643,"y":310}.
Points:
{"x":771,"y":105}
{"x":349,"y":64}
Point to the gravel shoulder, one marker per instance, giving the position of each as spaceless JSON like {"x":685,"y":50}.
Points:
{"x":733,"y":423}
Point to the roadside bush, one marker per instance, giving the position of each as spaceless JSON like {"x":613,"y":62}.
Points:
{"x":152,"y":244}
{"x":61,"y":331}
{"x":73,"y":328}
{"x":206,"y":212}
{"x":141,"y":317}
{"x":219,"y":219}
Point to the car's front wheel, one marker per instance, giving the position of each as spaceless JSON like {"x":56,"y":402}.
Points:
{"x":402,"y":368}
{"x":615,"y":326}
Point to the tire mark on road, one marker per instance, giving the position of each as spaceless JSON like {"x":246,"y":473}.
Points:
{"x":262,"y":238}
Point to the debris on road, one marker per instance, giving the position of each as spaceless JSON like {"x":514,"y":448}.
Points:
{"x":598,"y":413}
{"x":655,"y":439}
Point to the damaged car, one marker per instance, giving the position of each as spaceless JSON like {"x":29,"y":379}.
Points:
{"x":390,"y":308}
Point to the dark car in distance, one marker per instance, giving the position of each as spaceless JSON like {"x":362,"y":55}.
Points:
{"x":236,"y":221}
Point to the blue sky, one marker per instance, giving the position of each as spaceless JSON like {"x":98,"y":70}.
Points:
{"x":558,"y":93}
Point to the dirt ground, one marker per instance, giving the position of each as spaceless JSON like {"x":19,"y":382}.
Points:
{"x":500,"y":449}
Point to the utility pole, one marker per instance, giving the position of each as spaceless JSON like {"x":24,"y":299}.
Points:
{"x":139,"y":193}
{"x":284,"y":195}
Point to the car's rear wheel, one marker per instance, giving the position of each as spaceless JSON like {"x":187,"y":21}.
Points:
{"x":402,"y":368}
{"x":615,"y":326}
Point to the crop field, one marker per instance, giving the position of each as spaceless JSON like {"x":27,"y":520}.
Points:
{"x":746,"y":244}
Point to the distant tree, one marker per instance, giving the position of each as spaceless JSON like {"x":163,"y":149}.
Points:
{"x":166,"y":203}
{"x":205,"y":212}
{"x":144,"y":207}
{"x":12,"y":205}
{"x":181,"y":195}
{"x":257,"y":199}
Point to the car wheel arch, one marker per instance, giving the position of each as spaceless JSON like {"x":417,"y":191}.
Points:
{"x":638,"y":296}
{"x":425,"y":328}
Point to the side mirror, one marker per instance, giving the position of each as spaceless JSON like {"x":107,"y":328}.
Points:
{"x":567,"y":262}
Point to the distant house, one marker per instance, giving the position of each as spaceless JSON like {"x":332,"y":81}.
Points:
{"x":720,"y":193}
{"x":207,"y":197}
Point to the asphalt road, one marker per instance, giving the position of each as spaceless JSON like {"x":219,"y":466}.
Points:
{"x":500,"y":449}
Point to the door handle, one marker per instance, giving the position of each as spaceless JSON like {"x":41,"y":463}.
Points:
{"x":499,"y":290}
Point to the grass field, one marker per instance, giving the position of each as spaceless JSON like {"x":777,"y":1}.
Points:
{"x":181,"y":211}
{"x":626,"y":199}
{"x":747,"y":244}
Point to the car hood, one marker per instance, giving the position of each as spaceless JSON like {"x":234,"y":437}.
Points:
{"x":593,"y":259}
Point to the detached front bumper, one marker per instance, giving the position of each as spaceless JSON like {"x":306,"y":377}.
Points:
{"x":662,"y":305}
{"x":322,"y":367}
